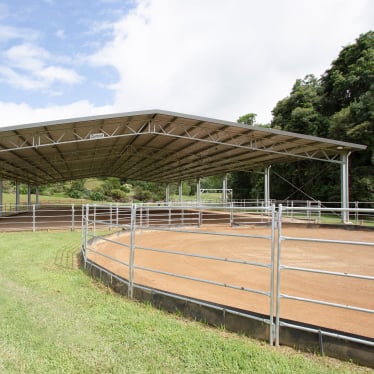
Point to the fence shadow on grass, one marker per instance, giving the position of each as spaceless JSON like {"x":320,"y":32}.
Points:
{"x":68,"y":256}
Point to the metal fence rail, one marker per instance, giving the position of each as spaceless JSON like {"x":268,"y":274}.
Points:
{"x":96,"y":219}
{"x":42,"y":217}
{"x":106,"y":223}
{"x":34,"y":217}
{"x":282,"y":267}
{"x":186,"y":219}
{"x":167,"y":220}
{"x":359,"y":212}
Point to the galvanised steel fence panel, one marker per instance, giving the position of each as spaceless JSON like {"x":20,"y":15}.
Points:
{"x":42,"y":217}
{"x":34,"y":217}
{"x":166,"y":220}
{"x":160,"y":217}
{"x":283,"y":267}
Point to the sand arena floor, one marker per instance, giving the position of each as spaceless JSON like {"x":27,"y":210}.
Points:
{"x":350,"y":259}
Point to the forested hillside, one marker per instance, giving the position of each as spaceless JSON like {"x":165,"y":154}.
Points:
{"x":338,"y":105}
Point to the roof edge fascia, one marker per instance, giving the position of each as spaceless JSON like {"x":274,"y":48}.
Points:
{"x":338,"y":143}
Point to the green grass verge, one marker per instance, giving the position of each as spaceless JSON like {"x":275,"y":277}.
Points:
{"x":55,"y":319}
{"x":10,"y":198}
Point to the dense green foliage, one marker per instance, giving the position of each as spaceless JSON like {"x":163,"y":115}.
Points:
{"x":55,"y":319}
{"x":248,"y":119}
{"x":338,"y":105}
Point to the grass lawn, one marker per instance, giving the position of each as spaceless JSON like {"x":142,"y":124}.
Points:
{"x":56,"y":319}
{"x":10,"y":198}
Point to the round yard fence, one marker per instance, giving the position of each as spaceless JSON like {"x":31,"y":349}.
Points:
{"x":274,"y":273}
{"x":297,"y":284}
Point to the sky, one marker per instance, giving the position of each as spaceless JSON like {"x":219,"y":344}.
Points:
{"x":221,"y":59}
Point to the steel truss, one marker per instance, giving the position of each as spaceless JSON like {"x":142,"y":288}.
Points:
{"x":155,"y":146}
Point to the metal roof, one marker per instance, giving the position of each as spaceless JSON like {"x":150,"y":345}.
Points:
{"x":152,"y":145}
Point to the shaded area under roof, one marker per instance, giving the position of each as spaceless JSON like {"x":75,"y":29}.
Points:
{"x":152,"y":145}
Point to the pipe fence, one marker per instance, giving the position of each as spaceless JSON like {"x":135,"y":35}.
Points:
{"x":42,"y":217}
{"x":34,"y":217}
{"x":123,"y":227}
{"x":284,"y":267}
{"x":194,"y":223}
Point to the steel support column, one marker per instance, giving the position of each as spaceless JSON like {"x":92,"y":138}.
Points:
{"x":267,"y":185}
{"x":224,"y":189}
{"x":28,"y":196}
{"x":198,"y":191}
{"x":17,"y":196}
{"x":344,"y":186}
{"x":1,"y":197}
{"x":167,"y":194}
{"x":180,"y":192}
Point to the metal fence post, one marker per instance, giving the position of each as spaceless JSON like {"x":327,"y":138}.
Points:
{"x":94,"y":221}
{"x":1,"y":196}
{"x":278,"y":263}
{"x":72,"y":217}
{"x":132,"y":252}
{"x":85,"y":217}
{"x":319,"y":211}
{"x":110,"y":216}
{"x":272,"y":270}
{"x":82,"y":226}
{"x":356,"y":212}
{"x":33,"y":218}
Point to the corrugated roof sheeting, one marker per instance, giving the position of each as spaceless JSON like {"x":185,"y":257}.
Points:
{"x":151,"y":145}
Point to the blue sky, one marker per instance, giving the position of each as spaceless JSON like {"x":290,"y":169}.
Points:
{"x":44,"y":56}
{"x":216,"y":58}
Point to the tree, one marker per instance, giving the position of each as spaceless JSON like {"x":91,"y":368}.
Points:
{"x":244,"y":184}
{"x":299,"y":111}
{"x":247,"y":185}
{"x":248,"y":119}
{"x":350,"y":76}
{"x":339,"y":105}
{"x":348,"y":99}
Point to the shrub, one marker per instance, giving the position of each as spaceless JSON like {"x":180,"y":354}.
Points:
{"x":143,"y":195}
{"x":97,"y":196}
{"x":76,"y":189}
{"x":119,"y":195}
{"x":125,"y":188}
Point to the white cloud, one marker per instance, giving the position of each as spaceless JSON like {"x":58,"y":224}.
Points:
{"x":15,"y":114}
{"x":27,"y":66}
{"x":9,"y":33}
{"x":22,"y":81}
{"x":52,"y":74}
{"x":215,"y":58}
{"x":26,"y":56}
{"x":224,"y":59}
